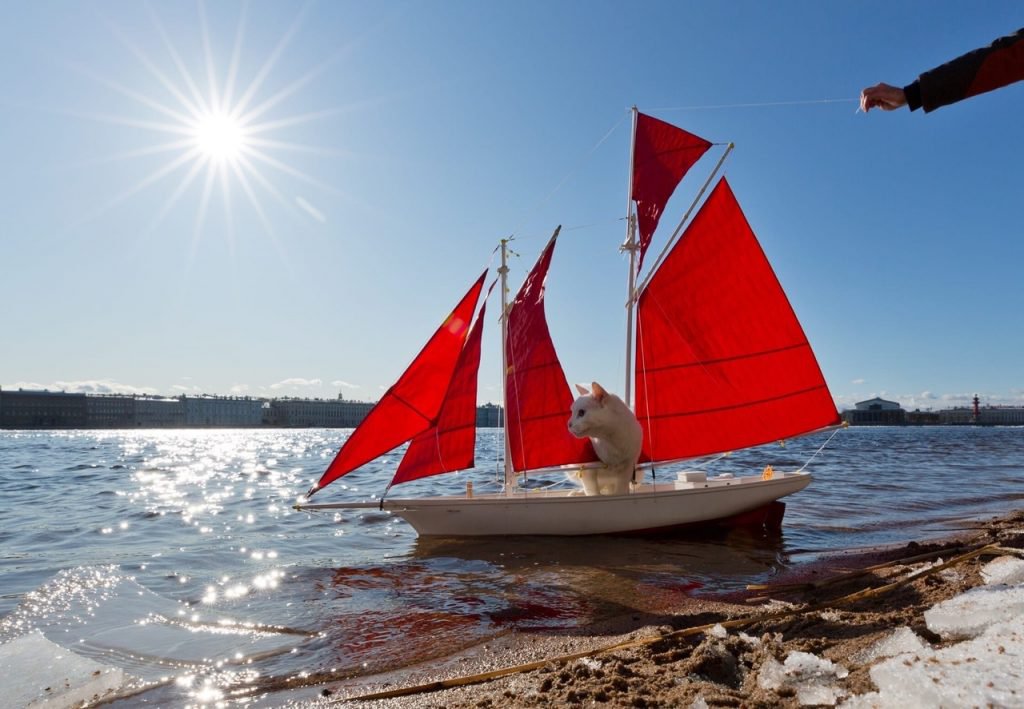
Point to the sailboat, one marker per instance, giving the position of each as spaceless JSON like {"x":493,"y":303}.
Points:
{"x":721,"y":364}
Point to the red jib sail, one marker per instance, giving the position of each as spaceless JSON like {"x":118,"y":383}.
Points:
{"x":412,"y":404}
{"x":537,"y":395}
{"x":449,"y":444}
{"x":662,"y":155}
{"x":722,"y":362}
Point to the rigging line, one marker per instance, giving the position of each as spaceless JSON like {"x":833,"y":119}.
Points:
{"x":593,"y":224}
{"x":570,"y":173}
{"x":766,"y":104}
{"x":838,"y":429}
{"x":527,"y":239}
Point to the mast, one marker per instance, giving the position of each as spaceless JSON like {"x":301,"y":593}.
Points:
{"x":630,"y":246}
{"x":509,"y":474}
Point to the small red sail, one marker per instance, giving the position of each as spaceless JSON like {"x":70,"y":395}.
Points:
{"x":537,"y":395}
{"x":722,"y":362}
{"x":412,"y":404}
{"x":449,"y":444}
{"x":662,"y":155}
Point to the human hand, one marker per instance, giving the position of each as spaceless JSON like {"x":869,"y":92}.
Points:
{"x":883,"y":96}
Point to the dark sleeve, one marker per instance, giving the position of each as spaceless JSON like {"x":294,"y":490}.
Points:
{"x":974,"y":73}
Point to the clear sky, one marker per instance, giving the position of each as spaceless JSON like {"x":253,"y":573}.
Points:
{"x":390,"y":145}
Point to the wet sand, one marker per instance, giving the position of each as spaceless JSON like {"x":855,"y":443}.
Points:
{"x":680,"y":659}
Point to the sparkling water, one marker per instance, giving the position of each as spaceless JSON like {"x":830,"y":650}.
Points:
{"x":177,"y":557}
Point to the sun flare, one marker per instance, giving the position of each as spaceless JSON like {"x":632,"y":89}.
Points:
{"x":219,"y":137}
{"x":224,"y":132}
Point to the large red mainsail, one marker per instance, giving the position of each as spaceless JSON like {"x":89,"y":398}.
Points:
{"x":662,"y":155}
{"x":449,"y":444}
{"x":722,"y":362}
{"x":412,"y":404}
{"x":537,"y":395}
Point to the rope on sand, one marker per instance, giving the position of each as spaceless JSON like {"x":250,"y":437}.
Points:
{"x":990,"y":549}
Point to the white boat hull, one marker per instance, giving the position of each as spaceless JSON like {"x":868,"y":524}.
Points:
{"x":570,"y":513}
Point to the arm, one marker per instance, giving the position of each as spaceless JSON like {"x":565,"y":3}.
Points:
{"x":974,"y":73}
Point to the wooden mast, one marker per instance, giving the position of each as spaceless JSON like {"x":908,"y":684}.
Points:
{"x":509,"y":473}
{"x":630,"y":245}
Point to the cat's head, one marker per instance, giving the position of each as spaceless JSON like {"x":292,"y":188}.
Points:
{"x":589,"y":412}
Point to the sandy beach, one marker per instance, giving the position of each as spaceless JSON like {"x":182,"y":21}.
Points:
{"x":826,"y":620}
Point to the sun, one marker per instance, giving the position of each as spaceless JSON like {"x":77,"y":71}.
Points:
{"x":219,"y":137}
{"x":223,"y":132}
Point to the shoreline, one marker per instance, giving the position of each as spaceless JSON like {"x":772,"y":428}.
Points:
{"x":634,"y":660}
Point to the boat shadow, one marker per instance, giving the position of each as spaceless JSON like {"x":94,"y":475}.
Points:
{"x":569,"y":584}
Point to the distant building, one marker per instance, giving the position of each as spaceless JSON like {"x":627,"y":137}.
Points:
{"x":222,"y":411}
{"x":983,"y":416}
{"x":159,"y":412}
{"x":1001,"y":416}
{"x":490,"y":416}
{"x":959,"y":416}
{"x":317,"y":413}
{"x":923,"y":418}
{"x":48,"y":410}
{"x":110,"y":411}
{"x":42,"y":409}
{"x":875,"y":412}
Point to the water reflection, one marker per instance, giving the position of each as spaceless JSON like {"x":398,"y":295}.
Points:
{"x":198,"y":525}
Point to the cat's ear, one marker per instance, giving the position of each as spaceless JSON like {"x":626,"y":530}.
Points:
{"x":582,"y":390}
{"x":599,"y":392}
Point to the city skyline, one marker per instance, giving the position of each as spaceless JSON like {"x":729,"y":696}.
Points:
{"x":268,"y":199}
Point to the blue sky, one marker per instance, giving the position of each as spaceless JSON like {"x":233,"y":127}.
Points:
{"x":397,"y":142}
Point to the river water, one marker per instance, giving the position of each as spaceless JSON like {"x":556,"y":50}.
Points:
{"x":176,"y":555}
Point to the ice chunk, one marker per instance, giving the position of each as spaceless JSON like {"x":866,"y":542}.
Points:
{"x":750,"y":640}
{"x":810,"y":676}
{"x":38,"y":673}
{"x":718,"y":631}
{"x":985,"y":671}
{"x":699,"y":703}
{"x":970,"y":613}
{"x":772,"y":675}
{"x":1004,"y":570}
{"x":110,"y":618}
{"x":871,"y":700}
{"x":590,"y":663}
{"x":813,"y":694}
{"x":899,"y":642}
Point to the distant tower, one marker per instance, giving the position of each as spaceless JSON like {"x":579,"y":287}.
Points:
{"x":976,"y":408}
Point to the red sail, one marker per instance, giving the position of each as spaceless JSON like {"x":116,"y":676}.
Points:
{"x":662,"y":155}
{"x":449,"y":444}
{"x":412,"y":404}
{"x":537,"y":395}
{"x":722,"y":362}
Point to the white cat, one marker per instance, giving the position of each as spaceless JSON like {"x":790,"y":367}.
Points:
{"x":616,"y":435}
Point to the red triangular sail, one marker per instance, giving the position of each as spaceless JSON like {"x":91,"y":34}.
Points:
{"x":538,"y":399}
{"x":412,"y":404}
{"x":722,"y":362}
{"x":449,"y":444}
{"x":662,"y":155}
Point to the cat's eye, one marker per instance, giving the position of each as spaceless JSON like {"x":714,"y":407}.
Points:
{"x":579,"y":413}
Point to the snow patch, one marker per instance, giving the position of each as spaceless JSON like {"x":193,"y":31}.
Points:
{"x":38,"y":673}
{"x":718,"y":631}
{"x":811,"y":677}
{"x":985,"y":671}
{"x":900,"y":642}
{"x":970,"y":613}
{"x":1005,"y":570}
